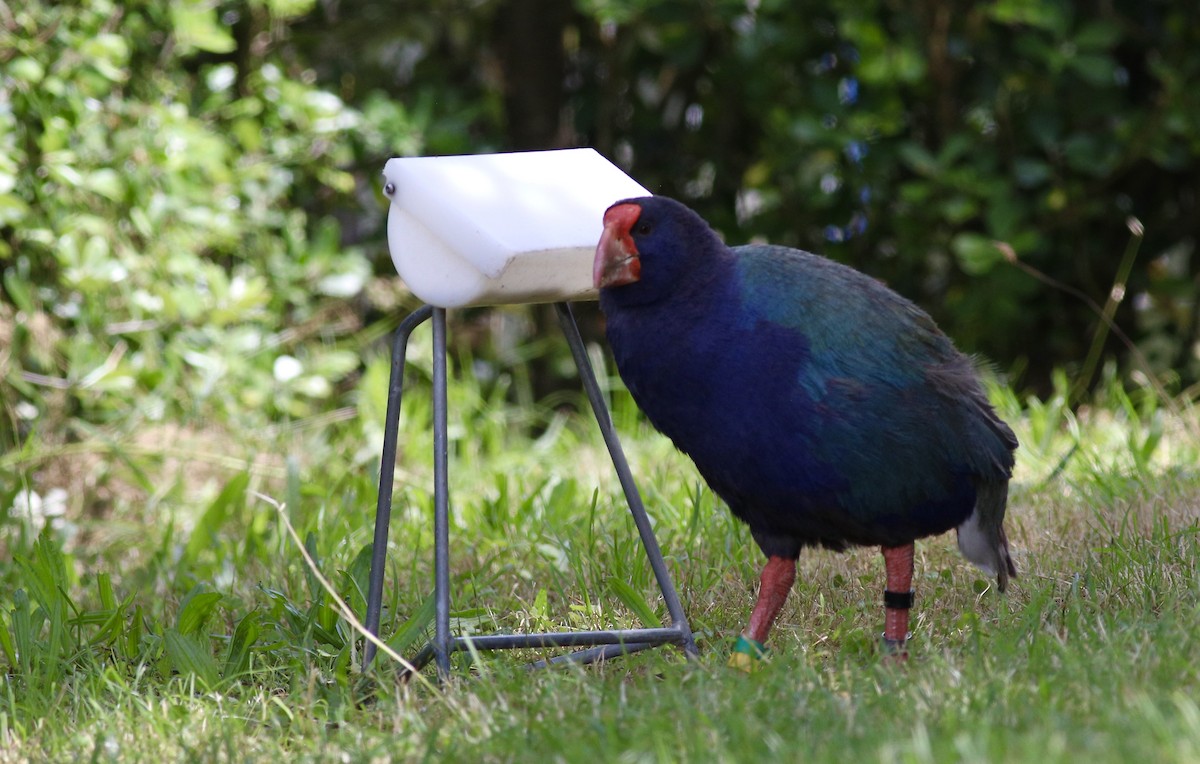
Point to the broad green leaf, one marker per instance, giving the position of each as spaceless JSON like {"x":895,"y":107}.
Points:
{"x":1035,"y":13}
{"x":1098,"y":35}
{"x":976,"y":253}
{"x":244,"y":637}
{"x":1030,"y":172}
{"x":416,"y":625}
{"x":12,"y":209}
{"x":1096,"y":68}
{"x":106,"y":182}
{"x":634,"y":601}
{"x":196,"y":28}
{"x":24,"y":69}
{"x":918,"y":158}
{"x":316,"y":591}
{"x":22,"y":632}
{"x":7,"y":645}
{"x":359,"y":574}
{"x":17,"y":290}
{"x":213,"y":519}
{"x":191,"y":656}
{"x":132,"y":644}
{"x":196,"y":609}
{"x":104,"y":584}
{"x":284,"y":9}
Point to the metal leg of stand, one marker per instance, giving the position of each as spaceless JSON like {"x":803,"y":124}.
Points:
{"x":609,"y":643}
{"x":596,"y":397}
{"x":387,"y":471}
{"x":443,"y":644}
{"x":594,"y":655}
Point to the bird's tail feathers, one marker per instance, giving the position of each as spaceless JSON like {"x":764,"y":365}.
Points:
{"x":981,"y":537}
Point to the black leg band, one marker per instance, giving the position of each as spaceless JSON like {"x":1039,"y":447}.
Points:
{"x":894,"y":646}
{"x":898,"y":600}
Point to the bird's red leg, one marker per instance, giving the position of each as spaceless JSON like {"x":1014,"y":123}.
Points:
{"x":897,"y":598}
{"x":777,"y":578}
{"x":776,"y":582}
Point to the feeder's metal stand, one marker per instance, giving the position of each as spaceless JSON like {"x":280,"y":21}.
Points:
{"x":602,"y":644}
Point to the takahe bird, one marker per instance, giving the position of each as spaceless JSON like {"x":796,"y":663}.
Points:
{"x":821,"y":406}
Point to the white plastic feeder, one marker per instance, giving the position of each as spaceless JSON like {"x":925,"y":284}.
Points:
{"x":493,"y":229}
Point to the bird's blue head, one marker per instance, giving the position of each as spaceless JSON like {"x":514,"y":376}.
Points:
{"x":652,"y":247}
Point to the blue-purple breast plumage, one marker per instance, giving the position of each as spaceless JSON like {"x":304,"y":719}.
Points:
{"x":821,"y":406}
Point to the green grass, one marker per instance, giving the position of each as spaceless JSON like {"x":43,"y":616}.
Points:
{"x":168,"y":615}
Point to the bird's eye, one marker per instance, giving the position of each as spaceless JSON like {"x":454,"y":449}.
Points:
{"x":642,"y":229}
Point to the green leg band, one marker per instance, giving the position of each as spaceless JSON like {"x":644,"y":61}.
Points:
{"x":746,"y":652}
{"x":751,"y":647}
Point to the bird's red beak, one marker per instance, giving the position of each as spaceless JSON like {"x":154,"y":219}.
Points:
{"x":617,"y":261}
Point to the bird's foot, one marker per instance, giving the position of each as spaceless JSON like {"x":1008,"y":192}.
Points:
{"x":747,"y":654}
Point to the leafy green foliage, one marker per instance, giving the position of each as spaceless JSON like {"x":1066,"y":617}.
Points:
{"x":165,"y":215}
{"x":905,"y":143}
